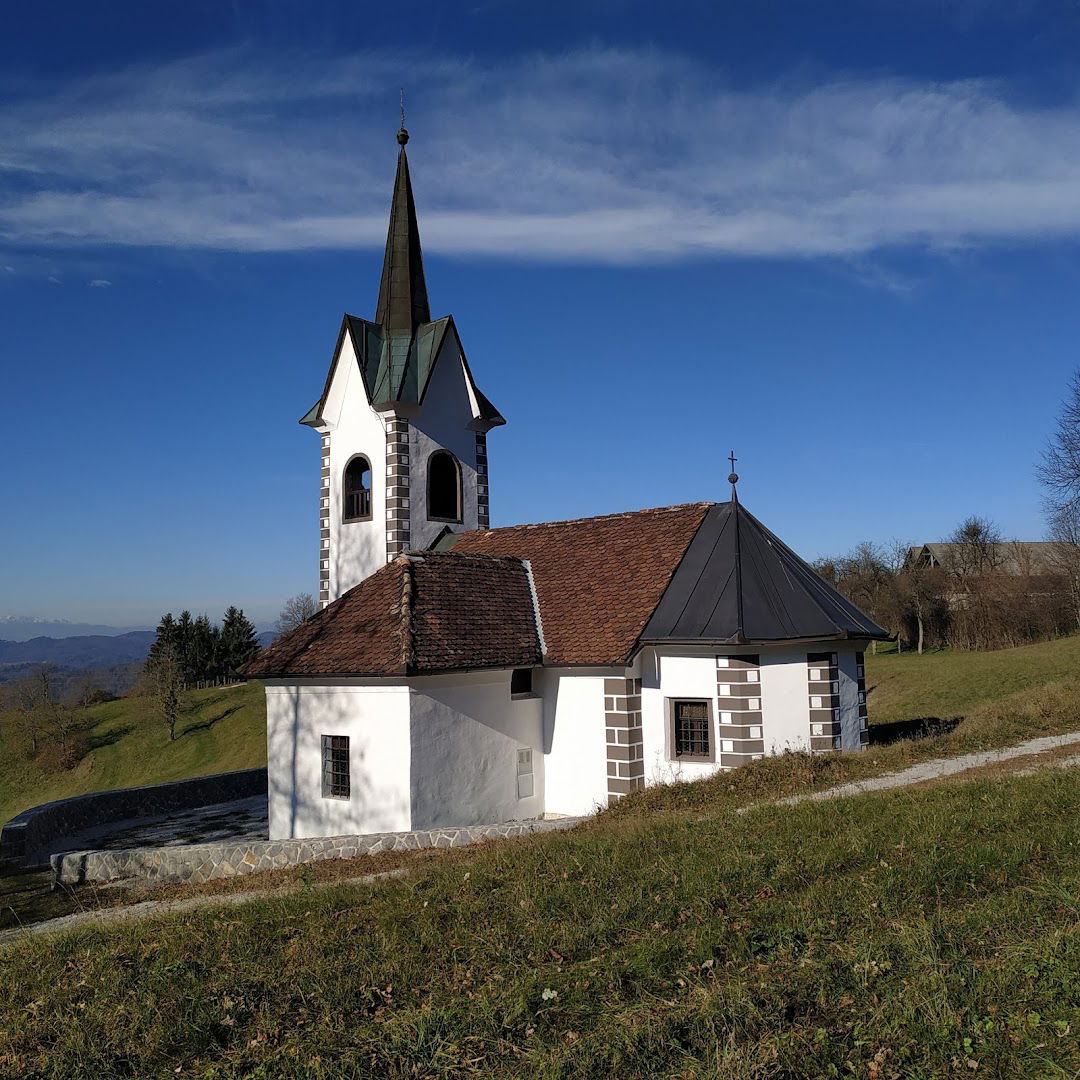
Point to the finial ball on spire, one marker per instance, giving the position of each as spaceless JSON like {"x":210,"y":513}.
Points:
{"x":402,"y":136}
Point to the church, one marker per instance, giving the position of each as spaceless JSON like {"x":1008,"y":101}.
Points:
{"x":457,"y":674}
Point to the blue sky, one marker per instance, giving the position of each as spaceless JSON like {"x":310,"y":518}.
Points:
{"x":842,"y":238}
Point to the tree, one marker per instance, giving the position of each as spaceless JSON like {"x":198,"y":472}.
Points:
{"x":1060,"y":469}
{"x":166,"y":673}
{"x":298,"y":609}
{"x":977,"y":543}
{"x":239,"y":642}
{"x":1065,"y":532}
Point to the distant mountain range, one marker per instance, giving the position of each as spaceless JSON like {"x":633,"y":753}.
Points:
{"x":25,"y":627}
{"x":82,"y":652}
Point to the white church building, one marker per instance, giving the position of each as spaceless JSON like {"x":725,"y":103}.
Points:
{"x":458,"y":674}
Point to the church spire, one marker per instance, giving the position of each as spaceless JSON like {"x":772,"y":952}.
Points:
{"x":403,"y":299}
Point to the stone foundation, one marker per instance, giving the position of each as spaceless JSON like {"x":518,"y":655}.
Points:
{"x":202,"y":862}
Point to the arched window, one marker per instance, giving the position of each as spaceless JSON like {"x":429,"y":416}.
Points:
{"x":356,"y":490}
{"x":443,"y":487}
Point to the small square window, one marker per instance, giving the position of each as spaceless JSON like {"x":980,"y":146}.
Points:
{"x":335,"y":767}
{"x":521,"y":681}
{"x":524,"y":772}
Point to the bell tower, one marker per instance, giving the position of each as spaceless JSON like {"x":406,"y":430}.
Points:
{"x":402,"y":422}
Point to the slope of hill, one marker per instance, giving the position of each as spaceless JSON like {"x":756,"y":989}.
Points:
{"x":224,"y":729}
{"x":931,"y":933}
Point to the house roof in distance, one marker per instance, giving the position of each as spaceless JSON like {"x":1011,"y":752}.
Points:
{"x":420,"y":614}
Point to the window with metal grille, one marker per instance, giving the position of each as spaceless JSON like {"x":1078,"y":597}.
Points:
{"x":335,"y":766}
{"x":356,"y":490}
{"x":691,"y":735}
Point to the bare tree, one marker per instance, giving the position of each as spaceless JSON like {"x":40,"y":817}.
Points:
{"x":1059,"y":472}
{"x":298,"y":609}
{"x":1065,"y":558}
{"x":166,"y":672}
{"x":977,"y":546}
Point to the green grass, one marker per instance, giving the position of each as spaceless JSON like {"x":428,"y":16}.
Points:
{"x":224,"y":729}
{"x":918,"y":935}
{"x":947,"y":684}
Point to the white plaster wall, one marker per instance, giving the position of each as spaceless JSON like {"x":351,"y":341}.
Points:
{"x":358,"y":548}
{"x":442,"y":423}
{"x":376,"y":719}
{"x":575,"y":738}
{"x":466,"y":732}
{"x":785,"y":702}
{"x":666,"y":675}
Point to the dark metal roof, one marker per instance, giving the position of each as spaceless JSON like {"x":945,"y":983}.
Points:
{"x":403,"y":300}
{"x":738,"y":583}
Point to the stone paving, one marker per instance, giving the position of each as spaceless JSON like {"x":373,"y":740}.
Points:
{"x":237,"y":821}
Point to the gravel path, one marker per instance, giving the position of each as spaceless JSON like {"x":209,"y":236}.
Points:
{"x":936,"y":769}
{"x":917,"y":774}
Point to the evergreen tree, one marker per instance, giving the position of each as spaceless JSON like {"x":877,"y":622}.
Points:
{"x":166,"y":637}
{"x":239,"y":642}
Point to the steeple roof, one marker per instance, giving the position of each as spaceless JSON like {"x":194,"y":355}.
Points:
{"x":403,"y":300}
{"x":397,"y":352}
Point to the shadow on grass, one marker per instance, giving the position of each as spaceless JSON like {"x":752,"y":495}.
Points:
{"x":921,"y":727}
{"x":206,"y":725}
{"x":106,"y":738}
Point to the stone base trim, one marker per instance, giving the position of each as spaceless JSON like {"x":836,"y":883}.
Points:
{"x":203,"y":862}
{"x":739,"y":712}
{"x":397,"y":487}
{"x":625,"y":740}
{"x":324,"y":524}
{"x":823,"y":688}
{"x":864,"y":719}
{"x":483,"y":504}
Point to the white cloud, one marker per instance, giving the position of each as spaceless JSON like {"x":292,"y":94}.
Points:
{"x":595,"y":155}
{"x":100,"y":283}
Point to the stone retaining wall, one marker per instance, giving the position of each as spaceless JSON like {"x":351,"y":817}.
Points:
{"x":201,"y":862}
{"x":26,"y":839}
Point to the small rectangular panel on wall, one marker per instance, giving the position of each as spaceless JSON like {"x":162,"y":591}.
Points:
{"x":324,"y":524}
{"x":483,"y":506}
{"x":864,"y":721}
{"x":625,"y":741}
{"x":739,"y":712}
{"x":397,"y":487}
{"x":823,"y":689}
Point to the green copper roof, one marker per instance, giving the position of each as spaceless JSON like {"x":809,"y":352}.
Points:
{"x":397,"y":352}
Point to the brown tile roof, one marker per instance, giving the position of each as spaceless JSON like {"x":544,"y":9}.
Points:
{"x":597,"y":579}
{"x":439,"y":611}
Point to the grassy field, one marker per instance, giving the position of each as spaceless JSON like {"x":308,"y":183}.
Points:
{"x":946,"y":684}
{"x":225,"y":728}
{"x":917,"y":935}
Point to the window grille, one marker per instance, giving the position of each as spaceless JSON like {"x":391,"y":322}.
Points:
{"x":691,"y":735}
{"x":356,"y":491}
{"x":335,"y":766}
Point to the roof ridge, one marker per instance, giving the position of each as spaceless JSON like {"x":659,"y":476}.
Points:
{"x":600,"y":517}
{"x":408,"y":633}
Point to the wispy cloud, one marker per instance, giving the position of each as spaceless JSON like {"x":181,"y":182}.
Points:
{"x":99,"y":283}
{"x":595,"y":155}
